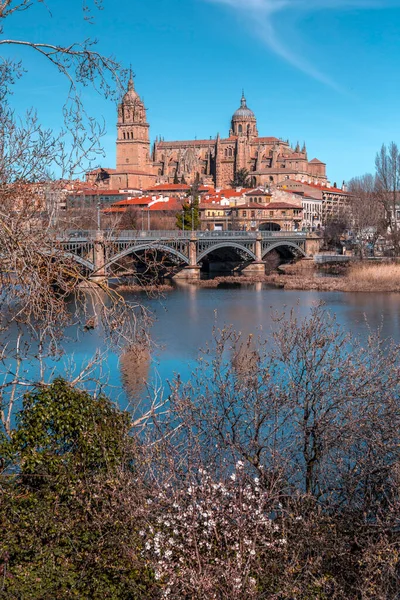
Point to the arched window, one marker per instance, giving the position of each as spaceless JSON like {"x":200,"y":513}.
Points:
{"x":124,"y":136}
{"x":240,"y":129}
{"x":226,"y":152}
{"x":230,"y":153}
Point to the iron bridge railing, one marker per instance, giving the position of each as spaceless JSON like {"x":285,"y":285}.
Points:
{"x":85,"y":235}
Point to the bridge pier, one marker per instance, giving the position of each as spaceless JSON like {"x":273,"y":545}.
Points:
{"x":313,"y":244}
{"x":257,"y":267}
{"x":192,"y":270}
{"x":99,"y":259}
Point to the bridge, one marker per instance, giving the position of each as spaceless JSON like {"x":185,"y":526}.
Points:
{"x":97,"y":251}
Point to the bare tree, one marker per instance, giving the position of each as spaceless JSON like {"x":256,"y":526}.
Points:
{"x":368,"y":219}
{"x":387,"y":163}
{"x":38,"y":279}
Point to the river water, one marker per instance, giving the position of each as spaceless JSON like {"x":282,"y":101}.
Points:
{"x":184,"y":319}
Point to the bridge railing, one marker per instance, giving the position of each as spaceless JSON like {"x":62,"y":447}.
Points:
{"x":84,"y":235}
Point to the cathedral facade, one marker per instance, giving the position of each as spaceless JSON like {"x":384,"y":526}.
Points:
{"x":268,"y":160}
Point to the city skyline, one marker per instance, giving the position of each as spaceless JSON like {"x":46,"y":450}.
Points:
{"x":192,"y":59}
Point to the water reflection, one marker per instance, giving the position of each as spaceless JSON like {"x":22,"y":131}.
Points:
{"x":135,"y":367}
{"x":186,"y":316}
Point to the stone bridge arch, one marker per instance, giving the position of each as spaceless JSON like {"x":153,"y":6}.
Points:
{"x":221,"y":245}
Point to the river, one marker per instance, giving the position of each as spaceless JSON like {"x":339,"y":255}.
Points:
{"x":184,"y":319}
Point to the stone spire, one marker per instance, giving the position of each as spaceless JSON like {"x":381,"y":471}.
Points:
{"x":131,"y":85}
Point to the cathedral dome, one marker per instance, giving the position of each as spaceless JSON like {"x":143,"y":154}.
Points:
{"x":243,"y":113}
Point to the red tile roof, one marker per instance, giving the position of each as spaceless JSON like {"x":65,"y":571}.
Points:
{"x":325,"y":188}
{"x":174,"y":204}
{"x":134,"y":201}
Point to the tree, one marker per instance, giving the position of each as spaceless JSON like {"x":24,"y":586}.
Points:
{"x":37,"y":276}
{"x":387,"y":164}
{"x":176,"y":178}
{"x":367,"y":214}
{"x":183,"y":180}
{"x":241,"y":179}
{"x":334,"y":230}
{"x":189,"y":218}
{"x":67,"y":528}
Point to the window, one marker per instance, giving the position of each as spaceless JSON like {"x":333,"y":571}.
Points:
{"x":271,"y":213}
{"x":244,"y":213}
{"x":240,"y":129}
{"x":253,"y":214}
{"x":397,"y":215}
{"x":127,"y":160}
{"x":284,"y":213}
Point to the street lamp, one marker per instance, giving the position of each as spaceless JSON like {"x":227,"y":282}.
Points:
{"x":183,"y":220}
{"x":148,"y":219}
{"x":142,"y":219}
{"x":192,"y":209}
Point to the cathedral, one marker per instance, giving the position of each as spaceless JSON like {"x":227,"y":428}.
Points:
{"x":268,"y":160}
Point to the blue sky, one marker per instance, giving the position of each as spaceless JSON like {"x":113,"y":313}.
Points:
{"x":321,"y":71}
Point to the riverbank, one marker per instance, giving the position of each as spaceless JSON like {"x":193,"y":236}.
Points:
{"x":307,"y":276}
{"x":304,"y":275}
{"x":356,"y":277}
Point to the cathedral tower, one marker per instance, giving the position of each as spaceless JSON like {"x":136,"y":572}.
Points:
{"x":133,"y":142}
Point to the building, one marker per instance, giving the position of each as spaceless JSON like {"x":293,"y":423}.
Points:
{"x":321,"y":202}
{"x":269,"y":160}
{"x":252,"y":210}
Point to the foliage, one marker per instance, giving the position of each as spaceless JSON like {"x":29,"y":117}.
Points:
{"x":61,"y":428}
{"x":272,"y":474}
{"x":68,"y":517}
{"x":241,"y":179}
{"x":189,"y":217}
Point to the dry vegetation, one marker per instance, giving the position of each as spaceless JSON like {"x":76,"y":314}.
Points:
{"x":359,"y":277}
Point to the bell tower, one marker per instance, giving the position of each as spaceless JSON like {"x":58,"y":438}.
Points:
{"x":133,"y":141}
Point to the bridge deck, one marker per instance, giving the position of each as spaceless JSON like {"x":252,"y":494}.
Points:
{"x":84,"y":235}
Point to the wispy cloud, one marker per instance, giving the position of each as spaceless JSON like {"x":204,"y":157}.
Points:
{"x":263,"y":15}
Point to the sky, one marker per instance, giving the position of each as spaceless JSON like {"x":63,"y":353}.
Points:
{"x":324,"y":72}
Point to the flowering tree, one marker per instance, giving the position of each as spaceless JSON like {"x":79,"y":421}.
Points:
{"x":209,"y":539}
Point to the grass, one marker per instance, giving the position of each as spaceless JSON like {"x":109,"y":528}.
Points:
{"x":375,"y":277}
